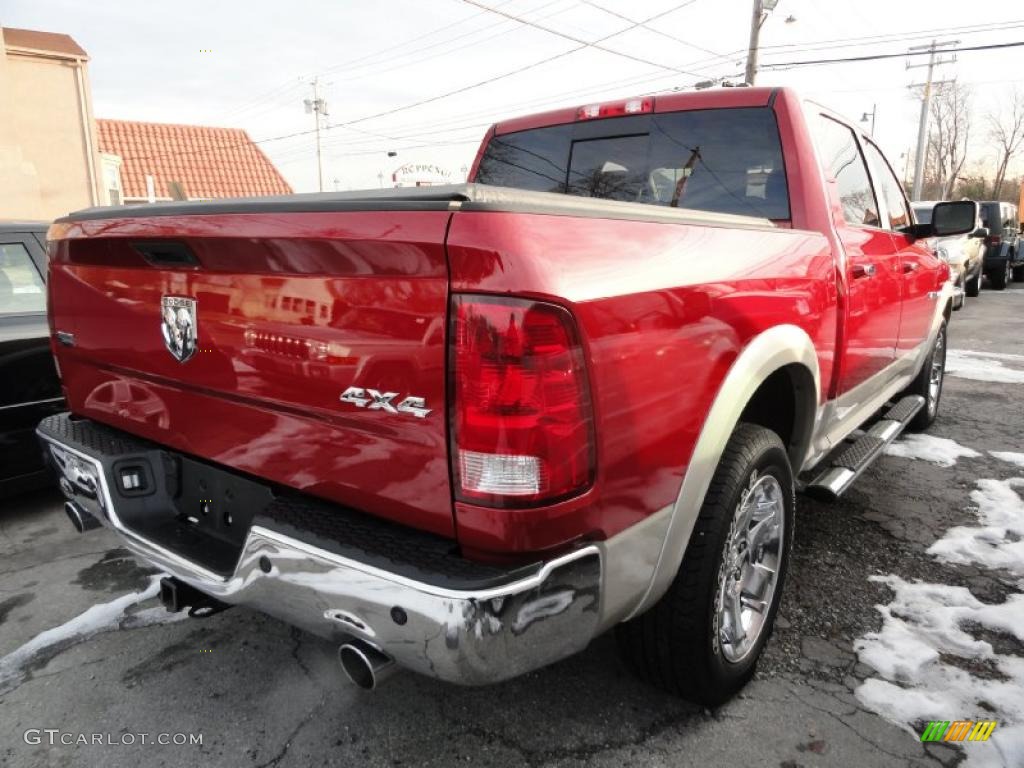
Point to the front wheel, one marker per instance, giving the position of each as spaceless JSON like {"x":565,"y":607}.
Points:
{"x":1018,"y":273}
{"x":703,"y":638}
{"x":973,"y":286}
{"x":929,"y":383}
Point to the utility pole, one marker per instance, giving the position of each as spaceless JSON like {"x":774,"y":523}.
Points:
{"x":926,"y":100}
{"x":761,"y":8}
{"x":317,"y":106}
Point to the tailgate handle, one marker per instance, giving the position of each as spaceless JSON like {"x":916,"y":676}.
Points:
{"x":166,"y":253}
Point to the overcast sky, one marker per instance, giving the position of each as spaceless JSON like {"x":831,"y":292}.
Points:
{"x":149,"y":62}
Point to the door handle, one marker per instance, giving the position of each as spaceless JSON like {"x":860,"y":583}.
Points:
{"x":863,"y":270}
{"x":910,"y":266}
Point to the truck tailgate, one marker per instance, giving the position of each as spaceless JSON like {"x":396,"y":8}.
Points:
{"x":291,"y":309}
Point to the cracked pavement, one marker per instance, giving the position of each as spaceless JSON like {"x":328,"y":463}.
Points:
{"x":264,"y":694}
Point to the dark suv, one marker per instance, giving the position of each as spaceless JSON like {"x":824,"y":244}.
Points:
{"x":29,"y":387}
{"x":1004,"y":257}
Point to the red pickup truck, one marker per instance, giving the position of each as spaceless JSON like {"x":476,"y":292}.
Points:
{"x":464,"y":430}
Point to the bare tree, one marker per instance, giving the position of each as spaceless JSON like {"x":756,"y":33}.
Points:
{"x":947,"y":142}
{"x":1007,"y":132}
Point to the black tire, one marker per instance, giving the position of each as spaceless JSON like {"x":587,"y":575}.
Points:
{"x":999,"y":277}
{"x":923,"y":384}
{"x":972,"y":287}
{"x":1018,"y":273}
{"x":676,"y":645}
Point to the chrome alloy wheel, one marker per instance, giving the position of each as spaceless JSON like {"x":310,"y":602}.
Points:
{"x":937,"y":372}
{"x":750,"y":567}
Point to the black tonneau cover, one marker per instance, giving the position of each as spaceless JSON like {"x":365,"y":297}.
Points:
{"x":454,"y":197}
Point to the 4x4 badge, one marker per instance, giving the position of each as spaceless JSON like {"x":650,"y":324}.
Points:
{"x":373,"y":400}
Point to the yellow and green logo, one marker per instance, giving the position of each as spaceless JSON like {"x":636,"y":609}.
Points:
{"x":958,"y":730}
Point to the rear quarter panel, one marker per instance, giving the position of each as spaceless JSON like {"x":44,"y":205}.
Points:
{"x":664,"y":310}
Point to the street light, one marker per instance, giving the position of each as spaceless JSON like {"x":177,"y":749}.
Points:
{"x":864,"y":117}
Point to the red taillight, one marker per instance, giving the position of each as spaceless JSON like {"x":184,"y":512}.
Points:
{"x":522,"y":425}
{"x":994,"y":240}
{"x":615,"y":109}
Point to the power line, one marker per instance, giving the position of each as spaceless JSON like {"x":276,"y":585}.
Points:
{"x":298,"y":80}
{"x":431,"y":99}
{"x":448,"y":50}
{"x":655,"y":30}
{"x":878,"y":56}
{"x":496,"y":78}
{"x":867,"y":40}
{"x":594,"y":44}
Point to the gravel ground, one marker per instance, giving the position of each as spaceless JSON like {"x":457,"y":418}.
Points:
{"x":263,"y":694}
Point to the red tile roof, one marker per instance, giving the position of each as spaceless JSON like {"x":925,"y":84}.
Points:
{"x":48,"y":42}
{"x":209,"y":162}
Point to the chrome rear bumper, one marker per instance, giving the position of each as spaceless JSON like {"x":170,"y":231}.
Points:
{"x":471,"y":635}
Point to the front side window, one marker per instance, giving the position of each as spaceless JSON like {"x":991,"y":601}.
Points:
{"x":892,"y":192}
{"x":719,"y":160}
{"x":21,"y":286}
{"x":842,"y":161}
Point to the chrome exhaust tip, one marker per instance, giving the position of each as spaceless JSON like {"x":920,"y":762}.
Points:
{"x":81,"y":519}
{"x":364,"y":665}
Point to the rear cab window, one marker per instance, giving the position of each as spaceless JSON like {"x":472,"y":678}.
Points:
{"x":719,"y":160}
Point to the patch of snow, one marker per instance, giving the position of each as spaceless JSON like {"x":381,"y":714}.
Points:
{"x":999,"y":541}
{"x":922,"y":631}
{"x":99,"y":618}
{"x":984,"y":366}
{"x":1010,"y":456}
{"x":938,"y":450}
{"x":991,"y":355}
{"x":929,"y":666}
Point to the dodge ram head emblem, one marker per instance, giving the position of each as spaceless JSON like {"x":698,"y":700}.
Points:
{"x":178,"y":326}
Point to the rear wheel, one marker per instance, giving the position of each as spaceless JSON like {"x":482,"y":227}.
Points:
{"x":929,"y":382}
{"x":1002,"y":276}
{"x":1018,"y":273}
{"x":703,"y":638}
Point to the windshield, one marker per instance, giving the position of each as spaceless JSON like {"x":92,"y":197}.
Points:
{"x":720,"y":160}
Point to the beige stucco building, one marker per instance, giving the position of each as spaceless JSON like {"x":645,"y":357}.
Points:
{"x":49,"y":161}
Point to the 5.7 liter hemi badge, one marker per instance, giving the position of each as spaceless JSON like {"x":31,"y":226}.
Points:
{"x":372,"y":400}
{"x":178,"y":326}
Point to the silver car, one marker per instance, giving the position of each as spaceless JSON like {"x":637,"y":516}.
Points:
{"x":964,"y":253}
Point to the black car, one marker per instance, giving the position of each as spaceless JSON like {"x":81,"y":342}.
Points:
{"x":29,"y":386}
{"x":1004,"y":257}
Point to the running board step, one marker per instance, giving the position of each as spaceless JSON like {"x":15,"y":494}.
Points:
{"x":848,"y":465}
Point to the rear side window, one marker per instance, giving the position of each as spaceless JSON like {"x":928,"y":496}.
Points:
{"x":537,"y":160}
{"x":719,"y":160}
{"x":892,"y":192}
{"x":990,"y":217}
{"x":842,"y":161}
{"x":21,"y":286}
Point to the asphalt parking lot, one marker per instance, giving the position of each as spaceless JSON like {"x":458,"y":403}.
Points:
{"x":263,"y":694}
